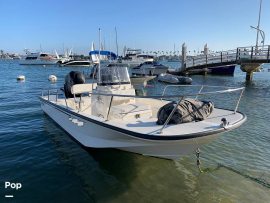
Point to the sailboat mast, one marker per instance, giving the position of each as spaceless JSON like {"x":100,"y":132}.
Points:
{"x":116,"y":41}
{"x":99,"y":81}
{"x":258,"y":26}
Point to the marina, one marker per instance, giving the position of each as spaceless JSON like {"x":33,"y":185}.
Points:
{"x":108,"y":112}
{"x":70,"y":165}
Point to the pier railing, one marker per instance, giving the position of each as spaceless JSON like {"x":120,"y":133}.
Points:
{"x":235,"y":56}
{"x":254,"y":53}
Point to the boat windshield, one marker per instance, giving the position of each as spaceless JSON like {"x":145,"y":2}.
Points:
{"x":114,"y":75}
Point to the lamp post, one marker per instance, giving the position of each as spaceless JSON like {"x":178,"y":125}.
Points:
{"x":261,"y":33}
{"x":258,"y":26}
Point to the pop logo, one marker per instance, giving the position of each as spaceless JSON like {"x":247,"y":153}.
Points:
{"x":16,"y":186}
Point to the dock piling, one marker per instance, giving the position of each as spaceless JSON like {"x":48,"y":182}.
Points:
{"x":184,"y":56}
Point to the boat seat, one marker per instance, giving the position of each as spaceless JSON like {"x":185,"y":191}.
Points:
{"x":130,"y":111}
{"x":82,"y":88}
{"x":79,"y":89}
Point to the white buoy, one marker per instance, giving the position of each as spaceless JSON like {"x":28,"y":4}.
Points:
{"x":52,"y":78}
{"x":21,"y":78}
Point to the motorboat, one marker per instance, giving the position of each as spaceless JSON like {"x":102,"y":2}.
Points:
{"x":149,"y":68}
{"x":102,"y":55}
{"x":174,"y":79}
{"x":135,"y":57}
{"x":74,"y":62}
{"x":39,"y":58}
{"x":141,"y":80}
{"x":108,"y":114}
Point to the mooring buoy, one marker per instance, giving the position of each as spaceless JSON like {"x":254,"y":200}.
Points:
{"x":20,"y":78}
{"x":52,"y":78}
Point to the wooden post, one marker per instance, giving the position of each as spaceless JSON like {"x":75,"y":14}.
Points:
{"x":221,"y":57}
{"x":237,"y":55}
{"x":251,"y":53}
{"x":184,"y":56}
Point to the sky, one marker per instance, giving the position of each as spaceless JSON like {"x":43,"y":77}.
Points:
{"x":151,"y":25}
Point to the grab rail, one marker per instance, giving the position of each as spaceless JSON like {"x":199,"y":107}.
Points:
{"x":202,"y":86}
{"x":230,"y":89}
{"x":170,"y":96}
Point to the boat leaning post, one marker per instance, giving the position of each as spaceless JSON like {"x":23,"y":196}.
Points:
{"x":170,"y":116}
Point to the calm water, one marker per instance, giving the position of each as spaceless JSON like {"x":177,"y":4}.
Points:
{"x":34,"y":151}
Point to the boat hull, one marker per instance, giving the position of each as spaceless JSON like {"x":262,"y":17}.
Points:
{"x":38,"y":62}
{"x":149,"y":71}
{"x":94,"y":135}
{"x":222,"y":70}
{"x":215,"y":70}
{"x":76,"y":63}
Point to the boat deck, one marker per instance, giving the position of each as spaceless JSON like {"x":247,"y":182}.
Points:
{"x":212,"y":123}
{"x":148,"y":126}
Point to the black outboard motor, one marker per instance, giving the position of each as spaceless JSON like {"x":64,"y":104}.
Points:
{"x":73,"y":78}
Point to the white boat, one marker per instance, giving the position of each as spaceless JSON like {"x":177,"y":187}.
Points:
{"x":104,"y":56}
{"x":134,"y":57}
{"x":149,"y":68}
{"x":109,"y":115}
{"x":39,"y":58}
{"x":174,"y":79}
{"x":74,"y":62}
{"x":140,"y":81}
{"x":101,"y":55}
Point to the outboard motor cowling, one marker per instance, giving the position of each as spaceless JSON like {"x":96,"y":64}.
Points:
{"x":73,"y":78}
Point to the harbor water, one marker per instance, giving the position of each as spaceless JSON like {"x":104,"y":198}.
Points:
{"x":51,"y":167}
